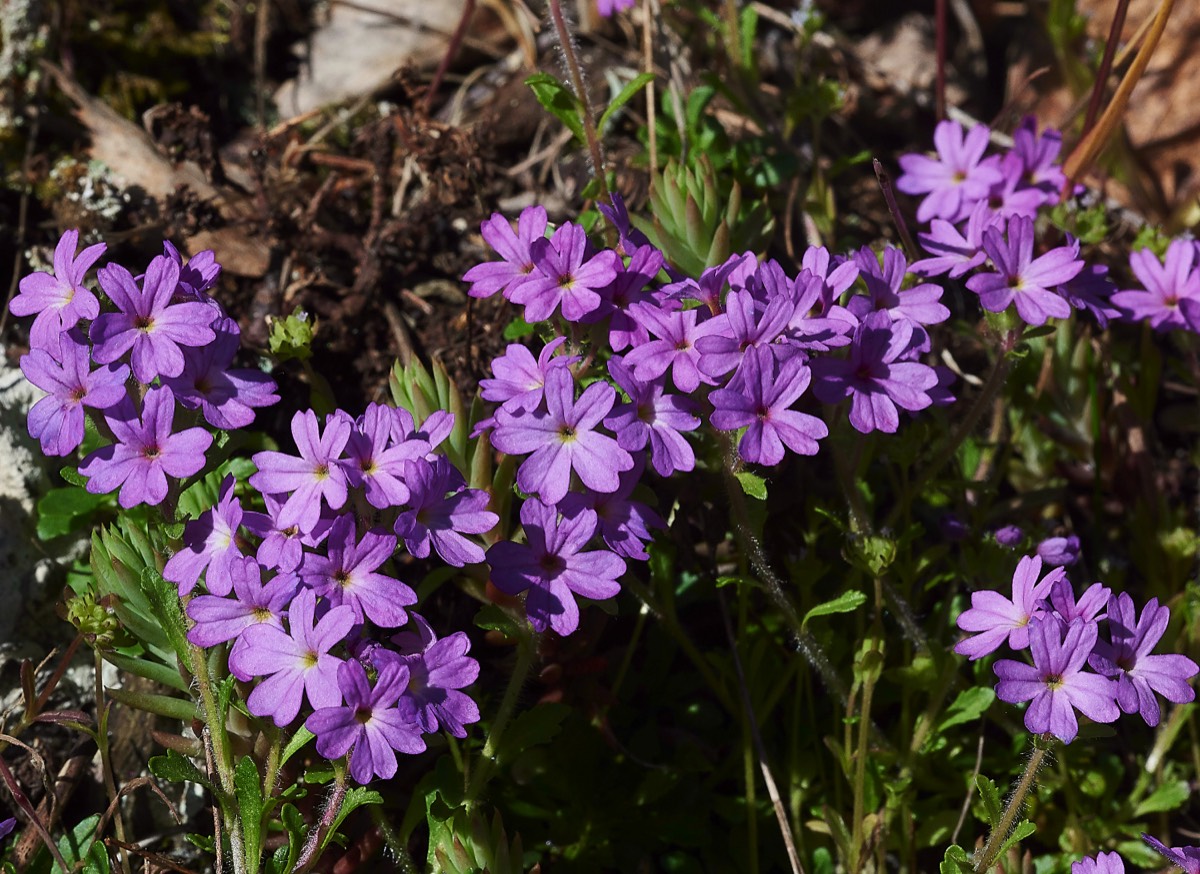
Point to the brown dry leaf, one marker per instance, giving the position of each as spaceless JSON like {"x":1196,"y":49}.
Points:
{"x":1163,"y":117}
{"x":129,"y":152}
{"x":362,"y":44}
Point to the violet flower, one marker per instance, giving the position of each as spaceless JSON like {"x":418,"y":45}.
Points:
{"x":553,"y":566}
{"x":1165,"y":285}
{"x":956,"y":179}
{"x":282,"y":547}
{"x":1038,"y":156}
{"x":759,"y":399}
{"x":57,"y":421}
{"x":347,"y":575}
{"x":1101,"y":863}
{"x":219,"y":619}
{"x":1021,"y":277}
{"x":437,"y":670}
{"x":997,"y":619}
{"x":563,"y":439}
{"x":209,"y":543}
{"x":875,"y":377}
{"x":58,"y":300}
{"x":375,"y":460}
{"x":227,"y":397}
{"x":147,"y":452}
{"x":675,"y":347}
{"x":1187,"y":858}
{"x":565,"y":276}
{"x":1129,"y":661}
{"x":1056,"y":684}
{"x":518,"y":382}
{"x":919,"y":304}
{"x":295,"y":662}
{"x":624,"y":524}
{"x":1089,"y":608}
{"x":653,"y":417}
{"x":377,"y":722}
{"x":148,"y":323}
{"x":508,"y":275}
{"x":953,"y":252}
{"x":314,"y":478}
{"x":441,"y":511}
{"x":743,"y":324}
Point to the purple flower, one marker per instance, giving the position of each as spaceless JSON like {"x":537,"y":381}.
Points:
{"x":227,"y":397}
{"x":565,"y":276}
{"x":314,"y":477}
{"x":624,"y":524}
{"x":293,"y":663}
{"x":553,"y":567}
{"x":57,"y":420}
{"x":956,"y":180}
{"x":919,"y":304}
{"x":562,"y":439}
{"x":1088,"y":608}
{"x":874,"y":377}
{"x":677,"y":332}
{"x":1056,"y":683}
{"x":1187,"y":858}
{"x":743,"y":324}
{"x":147,"y":452}
{"x":835,"y":277}
{"x":1011,"y":196}
{"x":197,"y":276}
{"x":759,"y":398}
{"x":375,"y":460}
{"x":997,"y":618}
{"x":220,"y":619}
{"x":377,"y":721}
{"x":1009,"y":535}
{"x":631,"y":239}
{"x":209,"y":542}
{"x":148,"y":323}
{"x":437,"y":670}
{"x":954,"y":252}
{"x":1137,"y":672}
{"x":347,"y":575}
{"x":518,"y":381}
{"x":1165,"y":285}
{"x":653,"y":417}
{"x":629,"y":288}
{"x":1021,"y":277}
{"x":1059,"y":551}
{"x":607,"y":8}
{"x":282,"y":547}
{"x":441,"y":511}
{"x":1092,"y":290}
{"x":507,"y":275}
{"x":1102,"y":863}
{"x":1038,"y":156}
{"x":59,"y":300}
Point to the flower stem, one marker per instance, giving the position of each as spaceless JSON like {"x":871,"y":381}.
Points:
{"x":575,"y":72}
{"x":110,"y":786}
{"x":1016,"y":803}
{"x":483,"y":771}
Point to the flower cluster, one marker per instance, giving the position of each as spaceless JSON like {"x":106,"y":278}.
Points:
{"x":1062,"y":634}
{"x":165,"y":329}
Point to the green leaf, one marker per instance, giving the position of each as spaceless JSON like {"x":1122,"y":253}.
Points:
{"x":967,"y":707}
{"x":753,"y":485}
{"x":60,"y":511}
{"x":299,"y":739}
{"x":848,"y":602}
{"x":80,"y":846}
{"x":176,"y":768}
{"x":990,"y":794}
{"x":355,"y":798}
{"x":160,"y":705}
{"x":560,"y":101}
{"x":492,"y":618}
{"x":247,"y":786}
{"x":73,"y":476}
{"x":1023,"y":830}
{"x":956,"y":861}
{"x":518,"y":329}
{"x":165,"y":675}
{"x":640,"y":81}
{"x":535,"y":726}
{"x":1166,"y":797}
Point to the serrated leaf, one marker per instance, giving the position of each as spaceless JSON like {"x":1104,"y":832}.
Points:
{"x":753,"y":485}
{"x":176,"y":768}
{"x":533,"y":727}
{"x":560,"y":101}
{"x":80,"y":846}
{"x":1166,"y":797}
{"x":847,"y":602}
{"x":355,"y":798}
{"x":1023,"y":830}
{"x":299,"y":739}
{"x":968,"y":706}
{"x":640,"y":81}
{"x":990,"y":793}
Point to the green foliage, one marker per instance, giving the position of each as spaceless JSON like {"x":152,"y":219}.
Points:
{"x":291,"y":337}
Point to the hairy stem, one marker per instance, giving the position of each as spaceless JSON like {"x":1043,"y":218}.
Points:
{"x":110,"y":785}
{"x":1016,"y":803}
{"x":575,"y":73}
{"x":487,"y":760}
